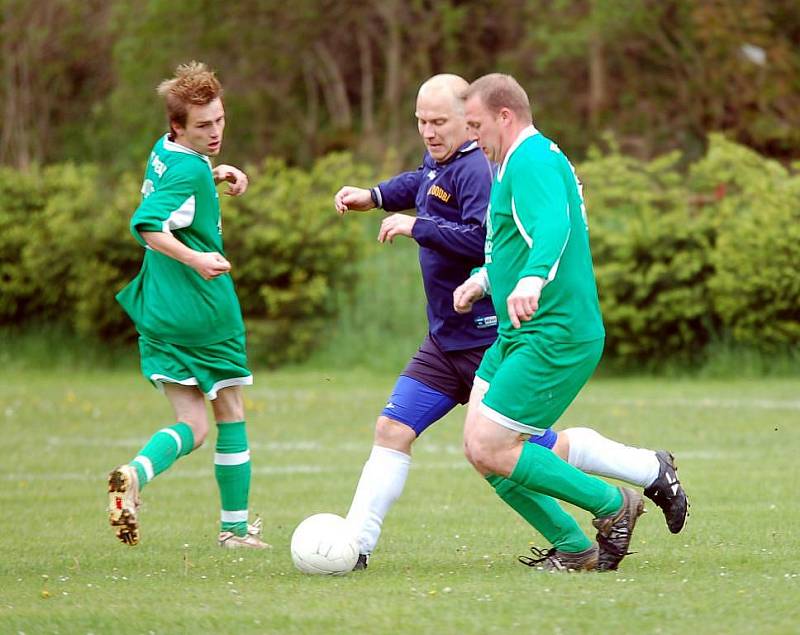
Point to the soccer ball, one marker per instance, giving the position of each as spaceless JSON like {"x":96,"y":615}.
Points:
{"x":324,"y":544}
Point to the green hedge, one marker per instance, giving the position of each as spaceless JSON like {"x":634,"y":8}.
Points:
{"x":685,"y":257}
{"x":65,"y":250}
{"x":756,"y":284}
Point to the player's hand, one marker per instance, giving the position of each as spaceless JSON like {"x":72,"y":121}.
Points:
{"x":237,"y":179}
{"x":395,"y":225}
{"x":351,"y":198}
{"x":523,"y":301}
{"x":466,"y":295}
{"x":209,"y":264}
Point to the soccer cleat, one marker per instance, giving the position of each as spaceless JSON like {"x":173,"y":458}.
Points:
{"x":614,"y":532}
{"x":251,"y":540}
{"x":554,"y":560}
{"x":362,"y":562}
{"x":666,"y":492}
{"x":123,"y":503}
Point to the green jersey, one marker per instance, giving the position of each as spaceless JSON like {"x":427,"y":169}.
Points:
{"x":169,"y":300}
{"x":537,"y":226}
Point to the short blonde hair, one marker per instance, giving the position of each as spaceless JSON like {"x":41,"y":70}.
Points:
{"x":498,"y":91}
{"x":193,"y":84}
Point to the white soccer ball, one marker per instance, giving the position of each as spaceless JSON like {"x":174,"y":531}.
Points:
{"x":324,"y":544}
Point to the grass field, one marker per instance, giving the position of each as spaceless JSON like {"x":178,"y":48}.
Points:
{"x":447,"y":560}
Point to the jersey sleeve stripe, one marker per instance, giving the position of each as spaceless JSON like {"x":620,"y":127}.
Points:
{"x":181,"y":217}
{"x":525,"y":236}
{"x":554,"y":269}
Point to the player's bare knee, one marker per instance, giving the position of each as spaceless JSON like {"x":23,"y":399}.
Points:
{"x":472,"y":457}
{"x":394,"y":435}
{"x":229,"y":405}
{"x":561,"y":446}
{"x":199,"y":426}
{"x":477,"y":453}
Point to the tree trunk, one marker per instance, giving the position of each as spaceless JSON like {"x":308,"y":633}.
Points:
{"x":598,"y":84}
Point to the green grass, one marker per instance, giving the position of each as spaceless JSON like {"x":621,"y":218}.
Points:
{"x":447,"y":560}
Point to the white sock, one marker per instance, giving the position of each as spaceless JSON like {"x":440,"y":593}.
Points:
{"x":591,"y":452}
{"x":381,"y":483}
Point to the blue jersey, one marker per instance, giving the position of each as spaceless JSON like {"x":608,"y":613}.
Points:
{"x":451,"y":200}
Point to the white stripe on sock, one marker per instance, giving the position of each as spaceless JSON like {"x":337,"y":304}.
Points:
{"x":175,"y":436}
{"x":147,"y":466}
{"x":234,"y":458}
{"x":234,"y":517}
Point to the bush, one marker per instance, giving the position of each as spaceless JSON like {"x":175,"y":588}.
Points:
{"x":21,"y":201}
{"x":755,"y":288}
{"x":65,"y":251}
{"x":292,"y":254}
{"x":685,"y":261}
{"x":652,"y":259}
{"x":65,"y":248}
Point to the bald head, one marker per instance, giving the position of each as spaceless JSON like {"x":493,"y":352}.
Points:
{"x":440,"y":115}
{"x":445,"y":85}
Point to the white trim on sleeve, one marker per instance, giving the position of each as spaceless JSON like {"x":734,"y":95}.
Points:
{"x":525,"y":236}
{"x":181,"y":217}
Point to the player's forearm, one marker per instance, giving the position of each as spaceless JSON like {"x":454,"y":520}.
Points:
{"x":455,"y":239}
{"x":480,"y":276}
{"x":398,"y":193}
{"x":167,"y":244}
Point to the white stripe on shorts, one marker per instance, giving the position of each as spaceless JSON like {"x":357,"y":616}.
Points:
{"x":227,"y":383}
{"x":147,"y":465}
{"x":508,"y":422}
{"x":233,"y":458}
{"x":234,"y":517}
{"x":176,"y":437}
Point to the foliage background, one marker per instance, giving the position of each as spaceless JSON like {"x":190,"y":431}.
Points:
{"x":319,"y":75}
{"x":683,"y":119}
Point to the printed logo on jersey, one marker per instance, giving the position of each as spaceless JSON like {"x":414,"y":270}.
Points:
{"x":159,"y":167}
{"x":431,"y":175}
{"x":439,"y":193}
{"x":148,"y":188}
{"x":486,"y":321}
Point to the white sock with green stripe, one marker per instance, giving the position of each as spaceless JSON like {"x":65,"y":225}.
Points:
{"x":164,"y":448}
{"x":232,"y":470}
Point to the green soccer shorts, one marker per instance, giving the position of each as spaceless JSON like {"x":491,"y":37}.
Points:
{"x":211,"y":368}
{"x":532,"y":381}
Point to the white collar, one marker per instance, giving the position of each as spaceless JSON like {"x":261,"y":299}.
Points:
{"x":177,"y":147}
{"x":525,"y":133}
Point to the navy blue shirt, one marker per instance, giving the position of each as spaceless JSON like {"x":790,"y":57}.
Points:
{"x":451,"y":200}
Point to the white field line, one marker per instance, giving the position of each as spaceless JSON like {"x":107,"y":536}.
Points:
{"x":271,"y":446}
{"x":299,"y":468}
{"x":702,"y":402}
{"x":258,"y":470}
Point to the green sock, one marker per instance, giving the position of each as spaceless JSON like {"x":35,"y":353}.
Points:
{"x":232,"y":469}
{"x":541,"y":470}
{"x":164,"y":448}
{"x":543,"y":513}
